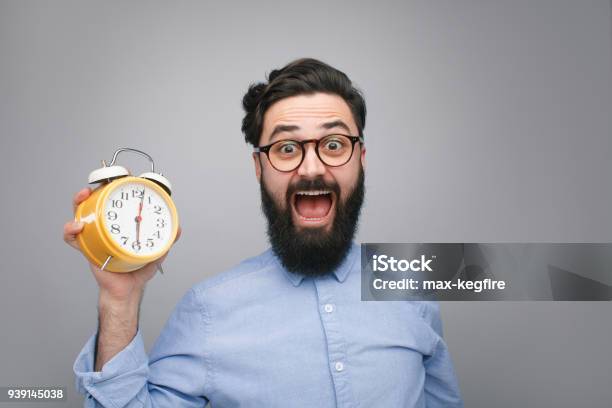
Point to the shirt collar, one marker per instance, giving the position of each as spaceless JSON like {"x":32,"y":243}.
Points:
{"x":340,"y":273}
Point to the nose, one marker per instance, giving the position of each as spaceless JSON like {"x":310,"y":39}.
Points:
{"x":311,"y":166}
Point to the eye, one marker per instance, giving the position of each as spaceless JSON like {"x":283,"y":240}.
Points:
{"x":334,"y":144}
{"x":286,"y":148}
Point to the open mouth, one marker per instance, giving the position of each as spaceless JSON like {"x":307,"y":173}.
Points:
{"x":313,"y":206}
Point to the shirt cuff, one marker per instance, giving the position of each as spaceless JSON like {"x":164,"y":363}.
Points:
{"x":120,"y":379}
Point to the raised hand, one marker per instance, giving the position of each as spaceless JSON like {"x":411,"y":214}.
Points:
{"x":113,"y":285}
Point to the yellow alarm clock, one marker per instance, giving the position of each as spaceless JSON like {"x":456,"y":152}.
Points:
{"x":129,"y":221}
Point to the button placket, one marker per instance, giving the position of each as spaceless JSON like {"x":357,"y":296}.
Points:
{"x":336,"y":344}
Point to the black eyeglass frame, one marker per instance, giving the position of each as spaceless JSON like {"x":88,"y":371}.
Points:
{"x":266,"y":149}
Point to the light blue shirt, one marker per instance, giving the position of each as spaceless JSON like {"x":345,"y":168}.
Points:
{"x":260,"y":336}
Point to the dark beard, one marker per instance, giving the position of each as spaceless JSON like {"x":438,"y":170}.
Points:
{"x":313,"y":251}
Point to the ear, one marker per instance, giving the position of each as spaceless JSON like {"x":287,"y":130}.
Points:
{"x":363,"y":156}
{"x":257,"y":164}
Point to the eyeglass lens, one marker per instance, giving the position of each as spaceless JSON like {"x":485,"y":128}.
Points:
{"x":334,"y":150}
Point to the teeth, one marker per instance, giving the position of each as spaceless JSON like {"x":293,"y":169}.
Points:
{"x":314,"y":192}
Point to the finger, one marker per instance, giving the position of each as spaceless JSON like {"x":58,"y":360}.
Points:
{"x":71,"y":230}
{"x":162,"y":259}
{"x":178,"y":233}
{"x":158,"y":263}
{"x":80,"y":197}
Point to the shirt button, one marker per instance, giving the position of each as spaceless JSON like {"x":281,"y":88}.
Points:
{"x":339,"y":366}
{"x":329,"y":308}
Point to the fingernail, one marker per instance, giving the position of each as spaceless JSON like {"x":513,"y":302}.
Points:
{"x":78,"y":224}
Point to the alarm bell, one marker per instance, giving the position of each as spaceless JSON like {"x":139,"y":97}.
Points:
{"x":112,"y":171}
{"x":107,"y":173}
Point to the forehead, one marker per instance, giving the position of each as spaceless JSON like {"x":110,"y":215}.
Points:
{"x":308,"y":112}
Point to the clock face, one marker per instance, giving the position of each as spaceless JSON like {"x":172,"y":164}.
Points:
{"x":138,"y":219}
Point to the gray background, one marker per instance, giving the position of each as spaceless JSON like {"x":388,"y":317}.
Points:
{"x":488,"y":121}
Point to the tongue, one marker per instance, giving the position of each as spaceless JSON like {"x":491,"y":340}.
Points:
{"x":313,"y":206}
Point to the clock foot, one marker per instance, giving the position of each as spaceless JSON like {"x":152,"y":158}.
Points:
{"x":106,"y":262}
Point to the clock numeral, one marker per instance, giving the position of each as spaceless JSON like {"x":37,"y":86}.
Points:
{"x":111,"y":215}
{"x":158,"y":234}
{"x":150,"y":243}
{"x":157,"y":209}
{"x":125,"y":196}
{"x":125,"y":240}
{"x":161,"y":223}
{"x":115,"y":229}
{"x":137,"y":193}
{"x":136,"y":246}
{"x":117,"y":204}
{"x":149,"y":197}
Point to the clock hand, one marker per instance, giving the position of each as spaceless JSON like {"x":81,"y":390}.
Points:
{"x":139,"y":216}
{"x":138,"y":229}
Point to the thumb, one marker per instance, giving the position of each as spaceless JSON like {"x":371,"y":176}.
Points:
{"x":71,"y":230}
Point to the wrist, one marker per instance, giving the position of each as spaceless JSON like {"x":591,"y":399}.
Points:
{"x":118,"y":318}
{"x":123,"y":300}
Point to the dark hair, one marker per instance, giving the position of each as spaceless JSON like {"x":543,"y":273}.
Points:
{"x":302,"y":76}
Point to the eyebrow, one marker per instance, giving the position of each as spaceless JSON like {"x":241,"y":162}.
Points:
{"x":290,"y":128}
{"x":336,"y":123}
{"x":283,"y":128}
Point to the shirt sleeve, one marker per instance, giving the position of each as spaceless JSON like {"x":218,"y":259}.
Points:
{"x":173,"y":375}
{"x":441,"y":387}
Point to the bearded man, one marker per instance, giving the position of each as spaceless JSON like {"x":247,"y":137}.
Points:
{"x":285,"y":328}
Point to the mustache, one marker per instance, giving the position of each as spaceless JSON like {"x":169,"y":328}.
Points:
{"x":312,"y":184}
{"x":312,"y":253}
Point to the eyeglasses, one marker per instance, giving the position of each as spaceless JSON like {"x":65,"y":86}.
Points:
{"x":333,"y":150}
